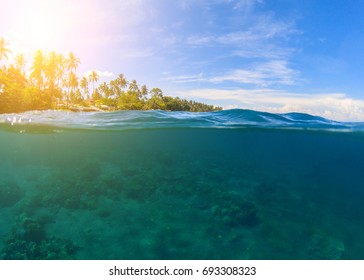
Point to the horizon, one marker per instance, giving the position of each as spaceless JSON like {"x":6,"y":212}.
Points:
{"x":275,"y":57}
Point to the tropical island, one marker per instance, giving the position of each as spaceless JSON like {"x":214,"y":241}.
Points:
{"x":52,"y":83}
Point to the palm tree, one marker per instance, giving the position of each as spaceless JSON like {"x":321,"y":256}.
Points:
{"x":4,"y":51}
{"x":51,"y":71}
{"x":51,"y":65}
{"x":84,"y":86}
{"x":114,"y":88}
{"x":60,"y":73}
{"x":20,"y":62}
{"x":119,"y":84}
{"x":38,"y":67}
{"x":122,"y":82}
{"x":156,"y":92}
{"x":104,"y":88}
{"x":72,"y":83}
{"x":72,"y":62}
{"x":93,"y":77}
{"x":156,"y":100}
{"x":144,"y":92}
{"x":134,"y":89}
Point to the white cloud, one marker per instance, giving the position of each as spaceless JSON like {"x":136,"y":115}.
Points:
{"x":336,"y":106}
{"x":236,"y":4}
{"x":185,"y":78}
{"x":231,"y":38}
{"x":244,"y":4}
{"x":198,"y":40}
{"x":105,"y":74}
{"x":262,"y":74}
{"x":129,"y":13}
{"x":259,"y":36}
{"x":102,"y":74}
{"x":263,"y":51}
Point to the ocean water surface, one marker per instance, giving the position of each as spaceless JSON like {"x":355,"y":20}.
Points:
{"x":233,"y":184}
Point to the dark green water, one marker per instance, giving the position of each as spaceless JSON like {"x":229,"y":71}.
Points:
{"x":182,"y":193}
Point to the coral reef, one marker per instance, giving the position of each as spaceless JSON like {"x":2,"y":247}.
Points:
{"x":47,"y":249}
{"x":234,"y":210}
{"x":10,"y":193}
{"x":28,"y":241}
{"x":326,"y":248}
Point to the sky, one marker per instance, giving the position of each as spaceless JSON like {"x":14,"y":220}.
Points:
{"x":268,"y":55}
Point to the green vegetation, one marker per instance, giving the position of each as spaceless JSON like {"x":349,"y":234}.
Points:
{"x":52,"y":83}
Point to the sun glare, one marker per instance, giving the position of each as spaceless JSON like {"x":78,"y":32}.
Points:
{"x":42,"y":25}
{"x":41,"y":30}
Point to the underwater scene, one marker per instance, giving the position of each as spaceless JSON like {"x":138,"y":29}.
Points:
{"x":234,"y":184}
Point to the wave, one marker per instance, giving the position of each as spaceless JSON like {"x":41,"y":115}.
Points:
{"x":123,"y":120}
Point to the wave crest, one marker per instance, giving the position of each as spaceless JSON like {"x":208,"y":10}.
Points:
{"x":121,"y":120}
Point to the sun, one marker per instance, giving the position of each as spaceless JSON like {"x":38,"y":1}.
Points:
{"x":42,"y":24}
{"x":41,"y":30}
{"x":61,"y":26}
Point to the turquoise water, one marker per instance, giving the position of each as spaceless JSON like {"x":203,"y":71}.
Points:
{"x":233,"y":184}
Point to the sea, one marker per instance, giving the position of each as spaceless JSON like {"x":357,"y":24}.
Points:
{"x":156,"y":185}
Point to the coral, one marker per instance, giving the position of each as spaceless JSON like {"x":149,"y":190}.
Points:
{"x":30,"y":230}
{"x":234,"y":210}
{"x":326,"y":248}
{"x":47,"y":249}
{"x":77,"y":189}
{"x":28,"y":241}
{"x":10,"y":193}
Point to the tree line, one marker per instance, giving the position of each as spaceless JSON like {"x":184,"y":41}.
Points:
{"x":52,"y":83}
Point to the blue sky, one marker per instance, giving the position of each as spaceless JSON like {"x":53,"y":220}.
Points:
{"x":269,"y":55}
